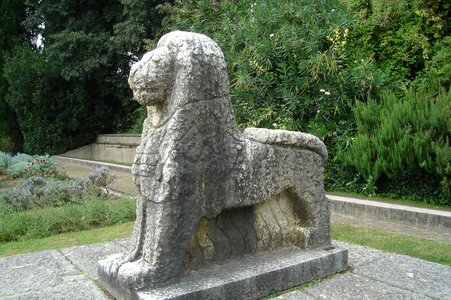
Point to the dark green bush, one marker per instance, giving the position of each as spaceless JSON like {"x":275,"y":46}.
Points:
{"x":402,"y":146}
{"x":54,"y":114}
{"x":398,"y":35}
{"x":405,"y":137}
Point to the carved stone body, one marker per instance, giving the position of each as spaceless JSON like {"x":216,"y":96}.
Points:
{"x":208,"y":192}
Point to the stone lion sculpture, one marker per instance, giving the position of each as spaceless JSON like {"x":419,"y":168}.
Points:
{"x":208,"y":192}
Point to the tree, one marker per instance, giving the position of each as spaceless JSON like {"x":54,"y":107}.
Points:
{"x":77,"y":82}
{"x":12,"y":13}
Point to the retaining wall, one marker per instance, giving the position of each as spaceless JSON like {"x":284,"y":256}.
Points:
{"x":109,"y":147}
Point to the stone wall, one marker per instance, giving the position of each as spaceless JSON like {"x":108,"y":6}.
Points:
{"x":109,"y":147}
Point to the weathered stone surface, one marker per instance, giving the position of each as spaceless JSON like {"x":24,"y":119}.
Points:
{"x":248,"y":277}
{"x":86,"y":257}
{"x":295,"y":295}
{"x":208,"y":192}
{"x":407,"y":272}
{"x":361,"y":255}
{"x":48,"y":275}
{"x":353,"y":286}
{"x":44,"y":275}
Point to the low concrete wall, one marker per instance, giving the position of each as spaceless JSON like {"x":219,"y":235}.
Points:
{"x":109,"y":147}
{"x":388,"y":212}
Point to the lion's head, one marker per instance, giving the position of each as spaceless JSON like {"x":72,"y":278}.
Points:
{"x":183,"y":68}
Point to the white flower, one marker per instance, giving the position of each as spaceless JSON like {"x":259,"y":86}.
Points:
{"x":333,"y":9}
{"x":327,"y":93}
{"x":274,"y":124}
{"x":322,"y":90}
{"x":271,"y":35}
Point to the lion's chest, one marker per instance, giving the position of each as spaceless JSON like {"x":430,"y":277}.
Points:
{"x":149,"y":154}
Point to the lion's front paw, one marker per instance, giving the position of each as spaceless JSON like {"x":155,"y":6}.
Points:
{"x":138,"y":275}
{"x":110,"y":265}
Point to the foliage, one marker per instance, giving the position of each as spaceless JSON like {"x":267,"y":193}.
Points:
{"x":140,"y":24}
{"x":402,"y":147}
{"x":102,"y":177}
{"x":12,"y":13}
{"x":437,"y":71}
{"x":5,"y":159}
{"x":38,"y":223}
{"x":139,"y":115}
{"x":302,"y":65}
{"x":289,"y":67}
{"x":38,"y":191}
{"x":398,"y":35}
{"x":405,"y":137}
{"x":75,"y":86}
{"x":23,"y":164}
{"x":68,"y":239}
{"x":54,"y":114}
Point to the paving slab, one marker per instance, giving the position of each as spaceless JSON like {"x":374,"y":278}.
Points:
{"x":295,"y":295}
{"x":422,"y":277}
{"x":353,"y":286}
{"x":359,"y":256}
{"x":44,"y":275}
{"x":374,"y":274}
{"x":86,"y":257}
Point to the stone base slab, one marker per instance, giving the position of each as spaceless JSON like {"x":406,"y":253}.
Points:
{"x":248,"y":277}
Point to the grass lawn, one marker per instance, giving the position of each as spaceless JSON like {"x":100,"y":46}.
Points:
{"x":393,"y":242}
{"x":383,"y":240}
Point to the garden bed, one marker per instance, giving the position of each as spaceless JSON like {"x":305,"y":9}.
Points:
{"x":37,"y":200}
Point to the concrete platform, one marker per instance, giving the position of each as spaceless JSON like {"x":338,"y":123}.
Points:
{"x":70,"y":273}
{"x":249,"y":277}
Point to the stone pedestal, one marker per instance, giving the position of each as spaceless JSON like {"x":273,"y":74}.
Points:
{"x":247,"y":277}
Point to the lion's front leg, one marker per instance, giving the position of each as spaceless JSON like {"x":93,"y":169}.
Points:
{"x":169,"y":229}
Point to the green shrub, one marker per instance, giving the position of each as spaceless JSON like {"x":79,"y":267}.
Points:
{"x":398,"y":35}
{"x":10,"y":136}
{"x":25,"y":165}
{"x":405,"y":139}
{"x":291,"y":67}
{"x":54,"y":114}
{"x":5,"y":159}
{"x":38,"y":223}
{"x":37,"y":191}
{"x":102,"y":177}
